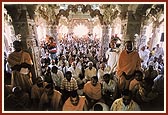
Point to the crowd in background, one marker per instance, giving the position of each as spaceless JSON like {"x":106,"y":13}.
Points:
{"x":76,"y":78}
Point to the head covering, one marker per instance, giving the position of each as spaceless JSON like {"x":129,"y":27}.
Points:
{"x":142,"y":45}
{"x":151,"y":63}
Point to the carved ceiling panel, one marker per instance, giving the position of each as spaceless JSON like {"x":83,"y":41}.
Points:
{"x":106,"y":13}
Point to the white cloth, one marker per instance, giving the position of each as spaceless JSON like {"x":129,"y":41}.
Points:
{"x":57,"y":78}
{"x":144,"y":55}
{"x":90,"y":73}
{"x":159,"y":51}
{"x":75,"y":72}
{"x":112,"y":59}
{"x":24,"y":71}
{"x":111,"y":86}
{"x":100,"y":73}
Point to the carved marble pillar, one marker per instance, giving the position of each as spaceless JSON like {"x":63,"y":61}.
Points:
{"x":27,"y":29}
{"x":123,"y":32}
{"x":133,"y":24}
{"x":113,"y":29}
{"x":123,"y":27}
{"x":142,"y":38}
{"x":156,"y":36}
{"x":9,"y":33}
{"x":104,"y":42}
{"x":130,"y":26}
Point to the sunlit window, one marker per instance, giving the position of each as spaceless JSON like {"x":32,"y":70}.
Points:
{"x":80,"y":30}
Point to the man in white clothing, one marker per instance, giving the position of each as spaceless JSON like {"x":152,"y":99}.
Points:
{"x":144,"y":55}
{"x":158,"y":51}
{"x":57,"y":77}
{"x":90,"y":71}
{"x":112,"y":56}
{"x":75,"y":72}
{"x":103,"y":69}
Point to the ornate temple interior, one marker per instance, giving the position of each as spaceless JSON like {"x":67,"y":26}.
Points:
{"x":86,"y":41}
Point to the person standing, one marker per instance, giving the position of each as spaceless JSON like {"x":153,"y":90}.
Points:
{"x":112,"y":55}
{"x":20,"y":63}
{"x":129,"y":61}
{"x":52,"y":47}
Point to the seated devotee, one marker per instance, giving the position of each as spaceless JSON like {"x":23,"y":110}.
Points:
{"x":63,"y":60}
{"x":52,"y":63}
{"x":159,"y":51}
{"x":109,"y":89}
{"x":47,"y":75}
{"x":159,"y":82}
{"x":151,"y":57}
{"x":103,"y":69}
{"x":57,"y":77}
{"x":88,"y":53}
{"x":151,"y":72}
{"x":136,"y":81}
{"x":68,"y":84}
{"x":43,"y":67}
{"x":100,"y":106}
{"x":75,"y":103}
{"x":36,"y":92}
{"x":76,"y":71}
{"x":90,"y":71}
{"x":128,"y":62}
{"x":18,"y":100}
{"x":159,"y":87}
{"x":47,"y":59}
{"x":71,"y":58}
{"x":125,"y":103}
{"x":155,"y":64}
{"x":63,"y":64}
{"x":160,"y":61}
{"x":78,"y":62}
{"x":51,"y":99}
{"x":145,"y":91}
{"x":92,"y":91}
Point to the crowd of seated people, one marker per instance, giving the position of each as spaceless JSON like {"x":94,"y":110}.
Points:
{"x":76,"y":78}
